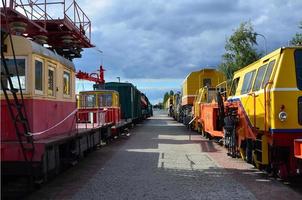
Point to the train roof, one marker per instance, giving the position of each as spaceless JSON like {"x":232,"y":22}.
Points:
{"x":39,"y":49}
{"x":199,"y":71}
{"x":96,"y":91}
{"x":120,"y":84}
{"x":277,"y":51}
{"x":33,"y":47}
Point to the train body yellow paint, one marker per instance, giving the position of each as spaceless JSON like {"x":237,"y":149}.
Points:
{"x":196,"y":80}
{"x":277,"y":77}
{"x":98,"y":98}
{"x":194,"y":92}
{"x":168,"y":102}
{"x":268,"y":94}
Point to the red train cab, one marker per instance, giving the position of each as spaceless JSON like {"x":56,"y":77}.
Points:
{"x":99,"y":107}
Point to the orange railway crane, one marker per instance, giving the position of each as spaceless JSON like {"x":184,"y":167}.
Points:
{"x":95,"y":77}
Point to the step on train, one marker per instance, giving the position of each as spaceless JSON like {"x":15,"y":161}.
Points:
{"x":257,"y":116}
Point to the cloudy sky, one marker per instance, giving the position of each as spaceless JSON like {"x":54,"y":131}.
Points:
{"x":156,"y":43}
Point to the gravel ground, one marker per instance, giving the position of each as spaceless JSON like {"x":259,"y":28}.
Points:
{"x":162,"y":160}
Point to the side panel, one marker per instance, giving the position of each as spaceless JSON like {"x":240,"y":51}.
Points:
{"x":42,"y":115}
{"x":126,"y":97}
{"x":286,"y":94}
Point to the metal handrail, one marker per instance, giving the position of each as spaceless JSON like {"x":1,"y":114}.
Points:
{"x":37,"y":10}
{"x":98,"y":119}
{"x":219,"y":86}
{"x":266,"y":110}
{"x":253,"y":94}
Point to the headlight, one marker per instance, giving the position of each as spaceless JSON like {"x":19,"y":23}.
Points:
{"x":282,"y":116}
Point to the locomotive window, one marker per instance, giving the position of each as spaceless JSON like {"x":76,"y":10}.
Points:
{"x":234,"y":86}
{"x":51,"y":81}
{"x":90,"y":100}
{"x":12,"y":70}
{"x":66,"y":83}
{"x":247,"y":82}
{"x":105,"y":100}
{"x":38,"y":77}
{"x":298,"y":63}
{"x":82,"y":100}
{"x":108,"y":99}
{"x":268,"y":73}
{"x":259,"y":77}
{"x":207,"y":82}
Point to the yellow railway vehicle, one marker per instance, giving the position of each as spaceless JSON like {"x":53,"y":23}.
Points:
{"x":176,"y":106}
{"x":168,"y":105}
{"x":98,"y":98}
{"x":191,"y":86}
{"x":198,"y":79}
{"x":268,"y":97}
{"x":100,"y":106}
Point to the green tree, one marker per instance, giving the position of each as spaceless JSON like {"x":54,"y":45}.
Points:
{"x":297,"y":39}
{"x":240,"y":50}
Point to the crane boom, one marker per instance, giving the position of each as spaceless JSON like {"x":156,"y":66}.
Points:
{"x":95,"y":77}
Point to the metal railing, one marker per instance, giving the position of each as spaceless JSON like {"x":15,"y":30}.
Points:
{"x":42,"y":11}
{"x":267,"y":105}
{"x":89,"y":122}
{"x":222,"y":88}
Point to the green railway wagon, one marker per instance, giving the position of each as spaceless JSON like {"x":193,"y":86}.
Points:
{"x":147,"y":107}
{"x":129,"y":99}
{"x":137,"y":105}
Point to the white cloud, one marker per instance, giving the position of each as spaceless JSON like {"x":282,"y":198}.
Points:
{"x":156,"y":40}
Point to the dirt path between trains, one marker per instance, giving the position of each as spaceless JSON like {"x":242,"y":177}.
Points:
{"x":161,"y":160}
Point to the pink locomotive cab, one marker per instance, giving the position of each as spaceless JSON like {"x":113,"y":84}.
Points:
{"x":40,"y":135}
{"x":47,"y":81}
